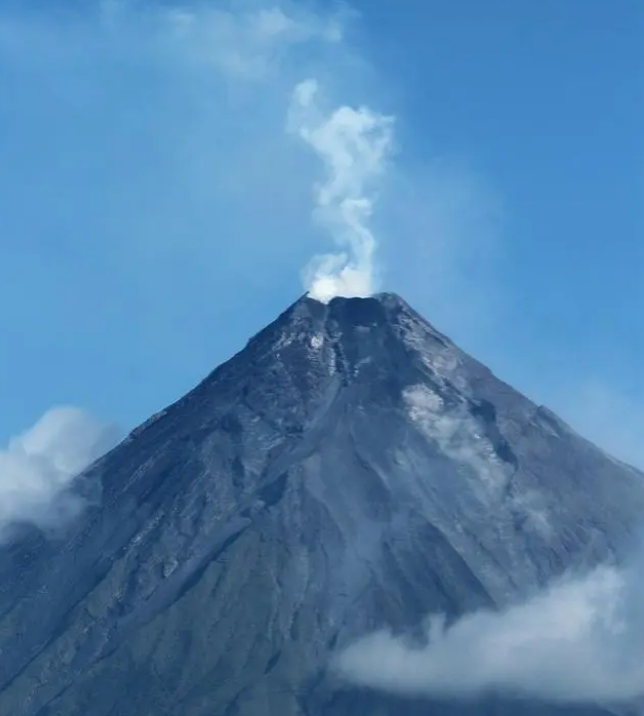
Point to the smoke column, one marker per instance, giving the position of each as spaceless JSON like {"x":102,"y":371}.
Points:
{"x":354,"y":145}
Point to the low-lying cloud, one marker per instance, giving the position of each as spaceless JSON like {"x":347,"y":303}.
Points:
{"x":581,"y":641}
{"x":354,"y":145}
{"x":38,"y":467}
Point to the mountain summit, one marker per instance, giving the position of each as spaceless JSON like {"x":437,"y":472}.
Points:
{"x":350,"y":469}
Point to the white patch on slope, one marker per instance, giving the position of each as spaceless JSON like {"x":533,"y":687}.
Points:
{"x":458,"y":435}
{"x":531,"y":505}
{"x":317,"y":341}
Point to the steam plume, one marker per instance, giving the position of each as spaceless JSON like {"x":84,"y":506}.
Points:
{"x":353,"y":144}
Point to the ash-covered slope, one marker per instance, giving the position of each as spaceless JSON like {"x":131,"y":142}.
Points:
{"x":349,"y":469}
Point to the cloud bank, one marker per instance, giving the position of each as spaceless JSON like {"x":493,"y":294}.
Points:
{"x":582,"y":641}
{"x":354,"y":145}
{"x":37,"y":468}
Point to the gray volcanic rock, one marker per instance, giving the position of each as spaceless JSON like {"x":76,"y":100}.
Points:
{"x":349,"y":469}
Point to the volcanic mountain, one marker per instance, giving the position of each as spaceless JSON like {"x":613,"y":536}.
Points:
{"x":349,"y":469}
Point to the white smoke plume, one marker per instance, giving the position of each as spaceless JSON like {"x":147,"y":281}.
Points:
{"x":580,"y":642}
{"x":38,"y":467}
{"x":354,"y":145}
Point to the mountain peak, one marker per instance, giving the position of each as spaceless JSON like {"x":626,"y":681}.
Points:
{"x":362,"y":329}
{"x":374,"y":310}
{"x":377,"y":347}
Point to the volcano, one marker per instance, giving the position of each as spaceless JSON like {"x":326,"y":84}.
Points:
{"x":350,"y":469}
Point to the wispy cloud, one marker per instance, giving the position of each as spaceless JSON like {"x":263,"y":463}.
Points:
{"x":579,"y":642}
{"x":242,"y":42}
{"x":38,"y":467}
{"x":354,"y":145}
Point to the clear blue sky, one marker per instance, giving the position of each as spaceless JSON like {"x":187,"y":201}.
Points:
{"x":155,"y":213}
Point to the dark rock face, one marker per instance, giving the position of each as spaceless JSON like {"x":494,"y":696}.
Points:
{"x":349,"y":469}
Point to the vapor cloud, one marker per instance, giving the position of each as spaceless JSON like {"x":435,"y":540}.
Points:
{"x":354,"y":145}
{"x":582,"y":641}
{"x":241,"y":42}
{"x":38,"y":467}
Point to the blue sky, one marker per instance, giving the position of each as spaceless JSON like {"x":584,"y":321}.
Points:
{"x":156,"y":212}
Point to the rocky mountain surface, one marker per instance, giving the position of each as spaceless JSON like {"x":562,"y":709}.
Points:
{"x":349,"y":469}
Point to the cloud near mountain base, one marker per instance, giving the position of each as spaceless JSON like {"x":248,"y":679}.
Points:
{"x":581,"y":641}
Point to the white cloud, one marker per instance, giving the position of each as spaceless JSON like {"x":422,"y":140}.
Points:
{"x":243,"y":42}
{"x":38,"y":467}
{"x":354,"y":145}
{"x":582,"y":641}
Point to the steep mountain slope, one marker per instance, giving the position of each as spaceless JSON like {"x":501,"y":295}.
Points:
{"x":350,"y":468}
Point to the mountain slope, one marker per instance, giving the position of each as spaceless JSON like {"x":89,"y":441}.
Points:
{"x":349,"y":469}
